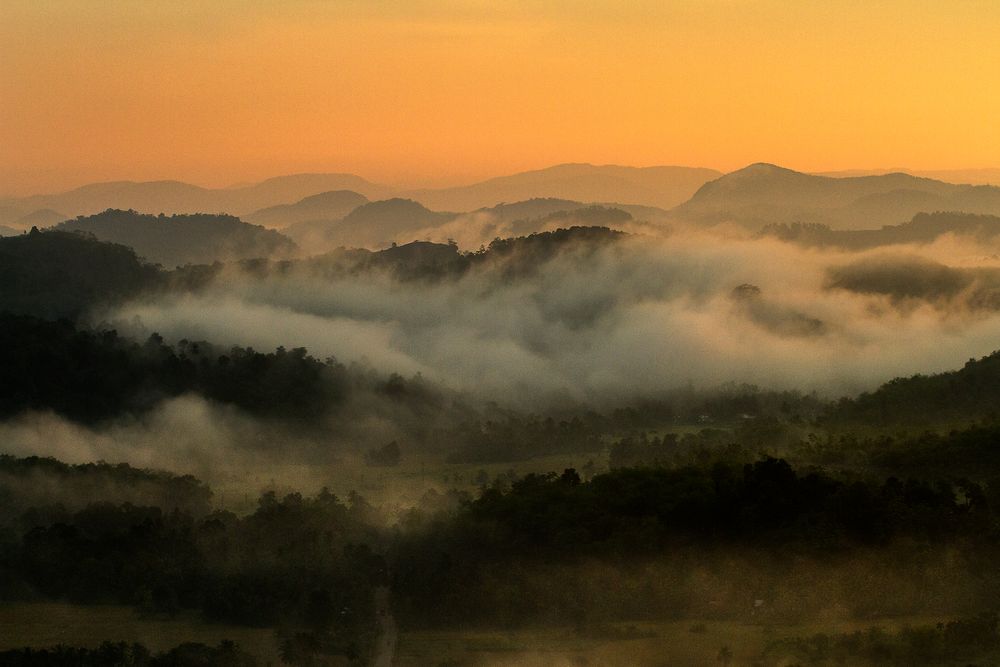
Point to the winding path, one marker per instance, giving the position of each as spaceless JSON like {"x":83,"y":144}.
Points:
{"x":385,"y":645}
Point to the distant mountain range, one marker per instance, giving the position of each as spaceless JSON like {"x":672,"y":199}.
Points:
{"x":958,"y":176}
{"x":323,"y":211}
{"x":661,"y":187}
{"x":172,"y":197}
{"x":764,"y":194}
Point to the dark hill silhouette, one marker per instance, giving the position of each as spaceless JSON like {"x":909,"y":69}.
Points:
{"x":663,"y":187}
{"x":923,"y":228}
{"x":61,"y":274}
{"x":183,"y":239}
{"x":380,"y":223}
{"x":325,"y":206}
{"x":962,"y":396}
{"x":763,"y":194}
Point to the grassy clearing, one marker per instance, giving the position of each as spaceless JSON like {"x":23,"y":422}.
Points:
{"x":685,"y":643}
{"x":44,"y":624}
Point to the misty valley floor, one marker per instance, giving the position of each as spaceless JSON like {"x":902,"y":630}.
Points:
{"x":685,"y":643}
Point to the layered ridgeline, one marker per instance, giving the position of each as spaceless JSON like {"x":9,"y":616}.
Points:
{"x":375,"y":224}
{"x":662,"y":187}
{"x":313,"y":222}
{"x":176,"y":197}
{"x":322,"y":212}
{"x":763,"y":194}
{"x":325,"y":206}
{"x":183,"y":239}
{"x":68,"y":274}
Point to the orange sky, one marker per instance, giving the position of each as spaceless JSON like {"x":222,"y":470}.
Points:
{"x":419,"y":92}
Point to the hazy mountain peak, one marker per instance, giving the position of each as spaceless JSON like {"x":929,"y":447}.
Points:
{"x":762,"y":194}
{"x":662,"y":186}
{"x":330,"y":205}
{"x":398,"y":205}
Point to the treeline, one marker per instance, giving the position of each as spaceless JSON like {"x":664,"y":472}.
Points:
{"x":630,"y":543}
{"x":90,"y":376}
{"x":305,"y":565}
{"x":31,"y":487}
{"x":922,"y":229}
{"x":958,"y":397}
{"x":94,"y":375}
{"x":62,"y":273}
{"x":633,"y":543}
{"x":511,"y":259}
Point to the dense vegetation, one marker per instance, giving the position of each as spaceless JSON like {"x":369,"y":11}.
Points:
{"x":967,"y":395}
{"x":305,"y":565}
{"x":34,"y":482}
{"x":923,"y":228}
{"x":759,"y":524}
{"x":703,"y":503}
{"x":93,"y":375}
{"x":60,"y":274}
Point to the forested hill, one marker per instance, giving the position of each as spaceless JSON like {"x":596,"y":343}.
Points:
{"x":60,"y":274}
{"x":422,"y":260}
{"x":923,"y":228}
{"x":90,"y":376}
{"x":183,"y":239}
{"x":969,"y":394}
{"x":39,"y":482}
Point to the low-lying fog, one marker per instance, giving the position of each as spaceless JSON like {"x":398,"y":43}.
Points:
{"x":616,"y":321}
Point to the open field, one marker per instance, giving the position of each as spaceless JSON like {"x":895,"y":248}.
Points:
{"x":677,"y":643}
{"x":46,"y":624}
{"x":686,"y":643}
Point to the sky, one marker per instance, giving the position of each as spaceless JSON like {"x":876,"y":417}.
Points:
{"x":419,"y":93}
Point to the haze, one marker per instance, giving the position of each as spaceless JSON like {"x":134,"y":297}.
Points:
{"x":454,"y":333}
{"x":421,"y":93}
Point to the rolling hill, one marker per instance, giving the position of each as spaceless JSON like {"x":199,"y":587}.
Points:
{"x":332,"y":205}
{"x":183,"y":239}
{"x":174,"y":197}
{"x":763,"y":194}
{"x":376,"y":224}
